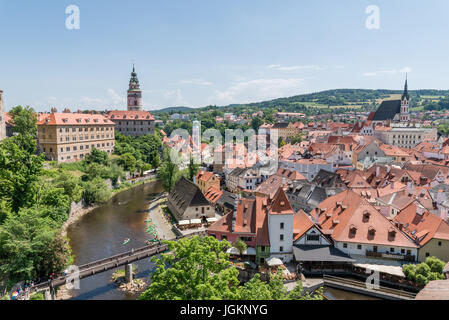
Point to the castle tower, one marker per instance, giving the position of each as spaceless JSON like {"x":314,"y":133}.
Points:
{"x":134,"y":93}
{"x":405,"y":102}
{"x":2,"y":118}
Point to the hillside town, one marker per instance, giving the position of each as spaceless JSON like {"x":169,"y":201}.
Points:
{"x":342,"y":198}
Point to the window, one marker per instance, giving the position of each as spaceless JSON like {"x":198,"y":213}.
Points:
{"x":281,"y":249}
{"x":281,"y":237}
{"x":359,"y":247}
{"x":439,"y":242}
{"x":282,"y":225}
{"x":392,"y":250}
{"x":345,"y":245}
{"x":313,"y":237}
{"x":427,"y":254}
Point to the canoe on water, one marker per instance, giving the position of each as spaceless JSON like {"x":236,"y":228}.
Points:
{"x":126,"y":241}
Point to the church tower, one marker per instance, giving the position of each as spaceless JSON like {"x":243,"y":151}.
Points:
{"x":134,"y":93}
{"x":2,"y":118}
{"x":405,"y":102}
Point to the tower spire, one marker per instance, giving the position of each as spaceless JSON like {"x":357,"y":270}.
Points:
{"x":405,"y":94}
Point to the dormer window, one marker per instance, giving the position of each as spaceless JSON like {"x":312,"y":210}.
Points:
{"x":391,"y":233}
{"x":366,"y":216}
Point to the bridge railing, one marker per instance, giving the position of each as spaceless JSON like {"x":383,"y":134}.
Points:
{"x":112,"y":262}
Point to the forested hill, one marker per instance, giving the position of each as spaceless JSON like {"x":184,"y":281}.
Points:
{"x":348,"y":97}
{"x":338,"y":99}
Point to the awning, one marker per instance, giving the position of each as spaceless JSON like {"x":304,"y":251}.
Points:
{"x":233,"y":250}
{"x":211,"y":220}
{"x":195,"y":221}
{"x":388,"y":269}
{"x":321,"y":253}
{"x":273,"y":262}
{"x":184,"y":222}
{"x":250,"y":252}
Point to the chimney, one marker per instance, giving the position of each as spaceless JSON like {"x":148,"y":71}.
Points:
{"x":377,"y":171}
{"x":388,"y":169}
{"x":409,"y":188}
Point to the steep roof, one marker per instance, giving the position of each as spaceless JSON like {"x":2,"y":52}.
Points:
{"x":421,"y":225}
{"x":348,"y":217}
{"x":186,"y":194}
{"x":387,"y":110}
{"x":301,"y":224}
{"x":280,"y":204}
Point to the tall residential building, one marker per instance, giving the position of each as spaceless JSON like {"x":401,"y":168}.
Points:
{"x":2,"y":118}
{"x":134,"y":93}
{"x":68,"y":137}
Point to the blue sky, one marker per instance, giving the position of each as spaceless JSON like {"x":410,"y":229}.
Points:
{"x":200,"y":52}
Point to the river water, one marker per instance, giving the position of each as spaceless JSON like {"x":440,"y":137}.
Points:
{"x":100,"y":234}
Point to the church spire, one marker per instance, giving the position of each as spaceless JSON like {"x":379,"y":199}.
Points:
{"x":405,"y":94}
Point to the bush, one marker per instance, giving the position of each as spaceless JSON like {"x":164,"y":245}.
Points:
{"x":37,"y":296}
{"x":96,"y":191}
{"x":423,"y":273}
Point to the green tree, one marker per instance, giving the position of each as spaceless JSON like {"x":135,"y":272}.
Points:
{"x":192,"y":169}
{"x":96,"y":191}
{"x":240,"y":246}
{"x":196,"y":269}
{"x":97,"y":156}
{"x":256,"y":123}
{"x":128,"y":162}
{"x":19,"y":174}
{"x":429,"y":270}
{"x":168,"y":172}
{"x":24,"y":121}
{"x":30,"y":246}
{"x":70,"y":184}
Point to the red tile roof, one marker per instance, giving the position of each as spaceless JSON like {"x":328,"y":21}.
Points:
{"x":75,"y":119}
{"x":348,"y":217}
{"x":421,"y":225}
{"x":129,"y":115}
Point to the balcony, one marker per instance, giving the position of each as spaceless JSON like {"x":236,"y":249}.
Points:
{"x":390,"y":256}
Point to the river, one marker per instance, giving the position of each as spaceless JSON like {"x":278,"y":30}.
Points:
{"x":100,"y":234}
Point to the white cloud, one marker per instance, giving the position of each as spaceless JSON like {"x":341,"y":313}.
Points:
{"x":258,"y":90}
{"x":389,"y":72}
{"x":294,"y":68}
{"x":90,"y":101}
{"x":116,"y":98}
{"x":198,"y":82}
{"x":174,"y":98}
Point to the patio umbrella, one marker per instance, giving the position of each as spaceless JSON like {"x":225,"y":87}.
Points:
{"x":273,"y":262}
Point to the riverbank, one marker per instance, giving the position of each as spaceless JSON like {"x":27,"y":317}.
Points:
{"x":81,"y":212}
{"x":163,"y":227}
